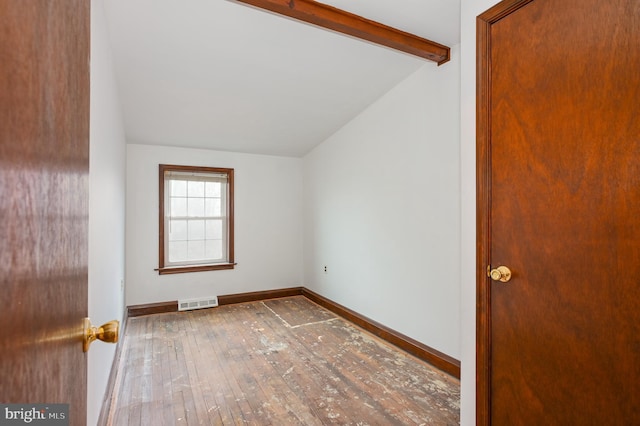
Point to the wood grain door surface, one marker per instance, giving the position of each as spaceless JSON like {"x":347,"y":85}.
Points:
{"x":559,"y":204}
{"x":44,"y":147}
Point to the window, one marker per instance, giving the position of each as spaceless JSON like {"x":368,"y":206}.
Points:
{"x":196,"y":219}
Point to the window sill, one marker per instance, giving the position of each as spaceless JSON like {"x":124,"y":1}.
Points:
{"x":196,"y":268}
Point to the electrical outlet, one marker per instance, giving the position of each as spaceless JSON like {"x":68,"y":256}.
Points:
{"x":325,"y":269}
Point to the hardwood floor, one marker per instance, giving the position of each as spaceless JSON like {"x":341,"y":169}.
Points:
{"x":278,"y":362}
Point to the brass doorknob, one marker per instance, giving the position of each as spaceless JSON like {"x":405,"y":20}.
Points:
{"x":501,"y":273}
{"x":107,"y":332}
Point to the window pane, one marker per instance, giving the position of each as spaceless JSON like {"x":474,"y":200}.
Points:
{"x":196,"y":230}
{"x":177,"y":251}
{"x":196,"y":207}
{"x":213,"y":189}
{"x":212,"y":207}
{"x":214,"y":249}
{"x":178,"y":188}
{"x":196,"y":189}
{"x":177,"y":230}
{"x":213,"y":230}
{"x":196,"y":250}
{"x":178,"y":207}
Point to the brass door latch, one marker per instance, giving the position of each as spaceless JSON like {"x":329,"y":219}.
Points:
{"x":501,"y":273}
{"x":107,"y":332}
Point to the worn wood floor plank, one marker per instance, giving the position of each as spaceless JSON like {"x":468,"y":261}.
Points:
{"x":279,"y":362}
{"x":216,"y":336}
{"x":228,"y":347}
{"x":205,"y":403}
{"x":162,"y":356}
{"x":287,"y":401}
{"x":129,"y":415}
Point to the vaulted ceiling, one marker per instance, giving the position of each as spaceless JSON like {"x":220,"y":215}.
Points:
{"x":222,"y":75}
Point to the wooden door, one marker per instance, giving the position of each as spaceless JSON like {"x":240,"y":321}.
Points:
{"x":44,"y":147}
{"x":559,"y":204}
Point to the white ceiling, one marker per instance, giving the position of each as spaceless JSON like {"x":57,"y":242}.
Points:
{"x":221,"y":75}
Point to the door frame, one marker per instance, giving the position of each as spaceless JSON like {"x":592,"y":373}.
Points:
{"x":483,"y":202}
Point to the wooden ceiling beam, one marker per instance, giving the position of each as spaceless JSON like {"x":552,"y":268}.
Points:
{"x":335,"y":19}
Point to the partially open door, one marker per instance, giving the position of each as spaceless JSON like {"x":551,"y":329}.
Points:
{"x":44,"y":164}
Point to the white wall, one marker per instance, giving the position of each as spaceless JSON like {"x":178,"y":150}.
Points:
{"x":382,"y":205}
{"x":470,"y":9}
{"x":106,"y":208}
{"x":268,"y":225}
